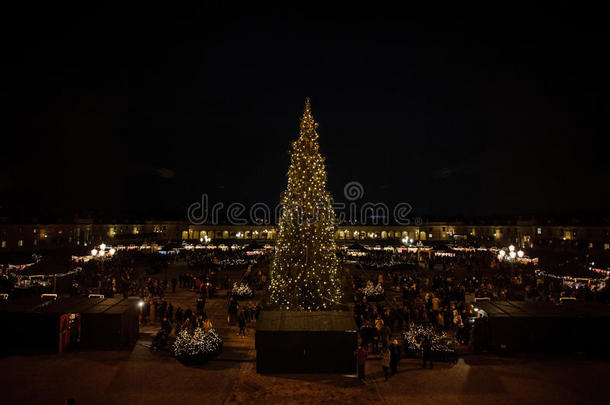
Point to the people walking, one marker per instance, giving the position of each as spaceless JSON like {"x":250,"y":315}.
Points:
{"x":361,"y":355}
{"x":427,"y":352}
{"x":232,"y":310}
{"x":385,"y":362}
{"x":386,"y":334}
{"x":394,"y":356}
{"x":241,"y":320}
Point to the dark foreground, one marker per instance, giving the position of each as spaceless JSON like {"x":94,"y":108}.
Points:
{"x":144,"y":377}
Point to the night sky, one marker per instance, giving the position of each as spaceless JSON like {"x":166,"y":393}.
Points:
{"x":136,"y":112}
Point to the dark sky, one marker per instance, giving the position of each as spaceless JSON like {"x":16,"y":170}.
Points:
{"x":138,"y":111}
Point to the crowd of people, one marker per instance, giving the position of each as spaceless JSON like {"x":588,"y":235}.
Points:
{"x":241,"y":313}
{"x":126,"y":274}
{"x":129,"y":273}
{"x":436,"y":293}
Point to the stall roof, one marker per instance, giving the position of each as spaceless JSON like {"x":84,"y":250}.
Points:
{"x":254,"y":246}
{"x":48,"y":267}
{"x":17,"y":258}
{"x":357,"y":247}
{"x":544,"y":309}
{"x":21,"y":305}
{"x":78,"y":304}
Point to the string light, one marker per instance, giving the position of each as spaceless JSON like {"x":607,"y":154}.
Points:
{"x":304,"y":273}
{"x":416,"y":334}
{"x":197,"y":346}
{"x":242,"y":290}
{"x":373,"y":293}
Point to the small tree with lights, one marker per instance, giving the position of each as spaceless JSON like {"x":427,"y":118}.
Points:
{"x":305,"y":268}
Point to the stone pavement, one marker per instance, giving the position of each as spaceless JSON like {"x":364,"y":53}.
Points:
{"x":235,"y":348}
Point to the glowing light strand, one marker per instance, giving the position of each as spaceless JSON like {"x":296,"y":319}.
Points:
{"x":304,"y":272}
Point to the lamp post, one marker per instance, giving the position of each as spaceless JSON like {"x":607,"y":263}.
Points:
{"x":511,"y":256}
{"x":102,"y":254}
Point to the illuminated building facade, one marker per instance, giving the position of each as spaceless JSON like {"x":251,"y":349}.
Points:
{"x":83,"y":233}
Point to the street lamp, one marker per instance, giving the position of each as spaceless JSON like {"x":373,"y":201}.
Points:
{"x":511,"y":248}
{"x":93,"y":252}
{"x":520,"y":253}
{"x":112,"y":251}
{"x":103,"y":246}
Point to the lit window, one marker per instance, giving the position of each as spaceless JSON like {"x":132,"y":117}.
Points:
{"x":3,"y":243}
{"x":20,"y":242}
{"x":539,"y":231}
{"x":606,"y":246}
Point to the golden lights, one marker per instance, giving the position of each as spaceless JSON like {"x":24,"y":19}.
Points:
{"x":304,"y":273}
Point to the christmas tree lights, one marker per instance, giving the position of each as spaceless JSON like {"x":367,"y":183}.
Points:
{"x":304,"y":273}
{"x":242,"y":291}
{"x":374,"y":293}
{"x":416,"y":334}
{"x":196,"y":347}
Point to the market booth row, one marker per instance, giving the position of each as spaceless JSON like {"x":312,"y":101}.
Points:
{"x":55,"y":325}
{"x":520,"y":326}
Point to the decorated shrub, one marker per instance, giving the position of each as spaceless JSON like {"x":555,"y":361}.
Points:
{"x":440,"y":342}
{"x":374,"y":293}
{"x":242,"y":291}
{"x":197,"y":347}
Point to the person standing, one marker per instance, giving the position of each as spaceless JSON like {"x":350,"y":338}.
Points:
{"x":394,"y":356}
{"x":174,"y":282}
{"x":207,"y":324}
{"x":385,"y":362}
{"x":427,"y":352}
{"x":170,"y":312}
{"x":361,"y":355}
{"x":232,"y":310}
{"x":386,"y":334}
{"x":377,"y":334}
{"x":179,"y":316}
{"x":188,"y":314}
{"x":241,"y":319}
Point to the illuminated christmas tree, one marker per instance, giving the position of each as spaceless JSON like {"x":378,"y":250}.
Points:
{"x":304,"y":273}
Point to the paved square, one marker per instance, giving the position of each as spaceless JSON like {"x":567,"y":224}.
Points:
{"x":144,"y":377}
